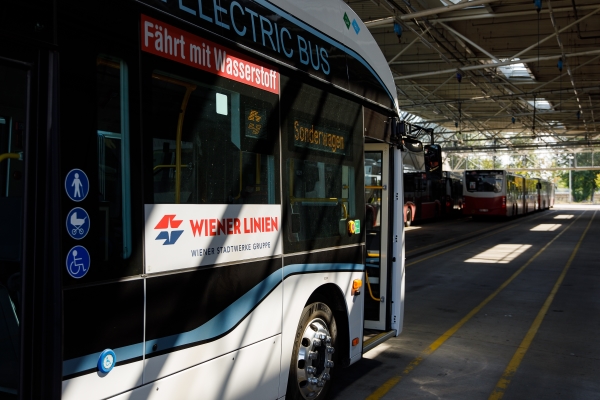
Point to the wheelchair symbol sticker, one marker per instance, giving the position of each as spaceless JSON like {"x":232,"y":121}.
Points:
{"x":78,"y":223}
{"x":77,"y":185}
{"x":78,"y":262}
{"x":107,"y":361}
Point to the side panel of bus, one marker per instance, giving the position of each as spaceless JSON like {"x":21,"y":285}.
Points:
{"x":531,"y":197}
{"x":186,"y":284}
{"x":173,"y":225}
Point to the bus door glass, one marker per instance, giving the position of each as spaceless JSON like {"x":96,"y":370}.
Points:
{"x":376,"y":227}
{"x":12,"y":134}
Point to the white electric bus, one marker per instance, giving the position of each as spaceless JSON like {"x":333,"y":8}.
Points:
{"x":182,"y":193}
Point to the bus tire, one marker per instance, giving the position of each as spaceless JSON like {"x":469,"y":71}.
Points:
{"x":408,"y":221}
{"x":313,"y":356}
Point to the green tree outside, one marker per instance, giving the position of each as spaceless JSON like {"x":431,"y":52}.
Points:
{"x":584,"y":184}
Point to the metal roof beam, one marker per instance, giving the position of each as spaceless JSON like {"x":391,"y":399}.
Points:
{"x":500,"y":64}
{"x":533,"y":46}
{"x":440,"y":10}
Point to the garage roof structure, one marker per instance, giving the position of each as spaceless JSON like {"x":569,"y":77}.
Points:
{"x":494,"y":76}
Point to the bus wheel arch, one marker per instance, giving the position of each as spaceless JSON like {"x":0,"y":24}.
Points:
{"x":332,"y":295}
{"x":317,"y":340}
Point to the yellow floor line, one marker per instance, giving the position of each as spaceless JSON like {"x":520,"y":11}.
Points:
{"x":514,"y":363}
{"x":389,"y":384}
{"x":494,"y":232}
{"x":476,"y":232}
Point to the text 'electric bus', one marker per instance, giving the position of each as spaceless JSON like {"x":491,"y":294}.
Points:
{"x":504,"y":194}
{"x":182,"y":191}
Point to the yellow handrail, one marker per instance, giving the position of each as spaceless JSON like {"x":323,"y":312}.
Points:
{"x":189,"y":88}
{"x":369,"y":287}
{"x":14,"y":156}
{"x":163,"y":166}
{"x":316,"y":199}
{"x":373,"y":187}
{"x":109,"y":63}
{"x":257,"y":179}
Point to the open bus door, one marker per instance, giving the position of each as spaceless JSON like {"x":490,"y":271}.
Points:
{"x":384,"y":236}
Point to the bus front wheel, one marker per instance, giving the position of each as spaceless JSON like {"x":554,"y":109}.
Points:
{"x":313,"y":354}
{"x":408,"y":218}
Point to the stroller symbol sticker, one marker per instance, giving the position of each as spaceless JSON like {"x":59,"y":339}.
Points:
{"x":77,"y":185}
{"x":78,"y":262}
{"x":78,"y":223}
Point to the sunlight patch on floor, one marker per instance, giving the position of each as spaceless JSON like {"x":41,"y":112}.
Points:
{"x":564,"y":216}
{"x":500,"y":254}
{"x":546,"y":227}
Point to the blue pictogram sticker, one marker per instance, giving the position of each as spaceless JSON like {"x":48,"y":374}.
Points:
{"x":78,"y":223}
{"x":78,"y":262}
{"x":355,"y":26}
{"x":77,"y":185}
{"x":107,"y":361}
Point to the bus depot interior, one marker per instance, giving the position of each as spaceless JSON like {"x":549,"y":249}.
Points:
{"x":166,"y":220}
{"x":191,"y":207}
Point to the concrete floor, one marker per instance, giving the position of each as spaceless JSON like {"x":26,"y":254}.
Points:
{"x":550,"y":297}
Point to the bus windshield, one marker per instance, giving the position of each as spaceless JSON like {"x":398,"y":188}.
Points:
{"x":484,"y":181}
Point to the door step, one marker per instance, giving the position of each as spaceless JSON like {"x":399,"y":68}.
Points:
{"x":376,"y":340}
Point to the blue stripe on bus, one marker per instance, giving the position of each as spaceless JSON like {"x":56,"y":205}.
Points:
{"x":217,"y":326}
{"x":325,"y":38}
{"x":294,"y":269}
{"x":90,"y":361}
{"x":222,"y":322}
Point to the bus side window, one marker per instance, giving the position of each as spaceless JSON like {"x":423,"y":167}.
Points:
{"x":113,"y":159}
{"x":212,"y":144}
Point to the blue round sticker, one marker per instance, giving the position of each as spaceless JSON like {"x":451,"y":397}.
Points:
{"x":77,"y":185}
{"x":78,"y":262}
{"x":78,"y":223}
{"x":107,"y":361}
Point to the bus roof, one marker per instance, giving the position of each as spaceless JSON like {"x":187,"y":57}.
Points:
{"x":334,"y":19}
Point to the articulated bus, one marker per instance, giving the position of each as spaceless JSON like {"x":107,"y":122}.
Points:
{"x":545,"y":194}
{"x":493,"y":193}
{"x":182,"y":197}
{"x":429,"y":192}
{"x":504,"y":194}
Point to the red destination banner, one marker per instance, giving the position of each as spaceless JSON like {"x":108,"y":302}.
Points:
{"x":167,"y":41}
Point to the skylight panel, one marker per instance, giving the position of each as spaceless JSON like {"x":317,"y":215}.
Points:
{"x":452,"y":2}
{"x":540,"y":104}
{"x":516,"y":71}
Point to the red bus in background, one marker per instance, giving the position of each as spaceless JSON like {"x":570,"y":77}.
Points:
{"x":545,"y":194}
{"x":428,"y":191}
{"x":493,"y":193}
{"x":504,"y":194}
{"x":530,"y":197}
